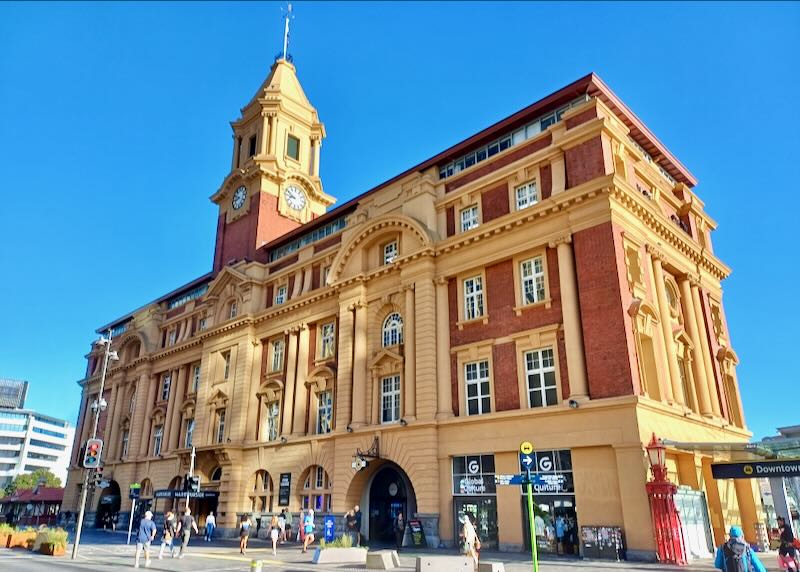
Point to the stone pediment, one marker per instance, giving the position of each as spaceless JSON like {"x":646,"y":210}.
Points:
{"x":227,"y":277}
{"x":218,"y":398}
{"x":386,"y":361}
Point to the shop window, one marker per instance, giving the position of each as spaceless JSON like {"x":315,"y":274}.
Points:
{"x":473,"y":298}
{"x":476,"y":378}
{"x":540,"y":373}
{"x":392,"y":330}
{"x":532,"y":276}
{"x":390,"y":399}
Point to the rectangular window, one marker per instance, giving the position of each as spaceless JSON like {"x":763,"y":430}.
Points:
{"x":324,"y":412}
{"x":469,"y":218}
{"x":195,"y":378}
{"x":273,"y":416}
{"x":532,"y":274}
{"x":293,"y":147}
{"x":527,"y":195}
{"x":390,"y":252}
{"x":252,"y":150}
{"x":277,"y":355}
{"x":132,"y":404}
{"x":165,"y":384}
{"x":158,"y":437}
{"x":476,"y":377}
{"x":390,"y":399}
{"x":540,"y":373}
{"x":226,"y":360}
{"x":325,"y":273}
{"x":187,"y":440}
{"x":203,"y":324}
{"x":233,"y":311}
{"x":220,"y":433}
{"x":125,"y":440}
{"x":173,"y":336}
{"x":328,"y":340}
{"x":320,"y":480}
{"x":473,"y":298}
{"x":280,"y":295}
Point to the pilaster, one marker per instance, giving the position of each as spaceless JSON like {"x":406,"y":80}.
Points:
{"x":291,"y":375}
{"x":360,"y":366}
{"x":444,"y":391}
{"x":705,"y":351}
{"x":301,"y":389}
{"x":666,"y":329}
{"x":409,"y":357}
{"x":698,"y":368}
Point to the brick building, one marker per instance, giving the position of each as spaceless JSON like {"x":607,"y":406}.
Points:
{"x":550,"y":278}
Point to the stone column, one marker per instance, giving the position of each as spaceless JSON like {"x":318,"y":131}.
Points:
{"x":253,"y":418}
{"x":659,"y":347}
{"x":288,"y":390}
{"x":344,"y":367}
{"x":264,"y":142}
{"x":173,"y":390}
{"x":175,"y":416}
{"x":409,"y":357}
{"x":360,"y":366}
{"x":317,"y":149}
{"x":444,"y":391}
{"x":666,"y":330}
{"x":376,"y":399}
{"x":705,"y":351}
{"x":570,"y":310}
{"x":301,"y":389}
{"x":110,"y":430}
{"x":235,"y":158}
{"x":559,"y":176}
{"x":146,"y":427}
{"x":698,"y":369}
{"x":273,"y":125}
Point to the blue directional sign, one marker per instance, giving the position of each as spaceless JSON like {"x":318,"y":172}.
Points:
{"x":526,"y":461}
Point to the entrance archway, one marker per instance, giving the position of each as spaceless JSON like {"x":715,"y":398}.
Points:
{"x":389,"y":491}
{"x":108,"y":505}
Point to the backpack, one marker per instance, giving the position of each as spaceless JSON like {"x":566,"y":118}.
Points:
{"x":734,"y":553}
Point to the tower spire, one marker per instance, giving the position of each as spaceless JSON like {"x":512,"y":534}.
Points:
{"x":287,"y":17}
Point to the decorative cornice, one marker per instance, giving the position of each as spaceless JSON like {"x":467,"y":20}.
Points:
{"x":563,"y":239}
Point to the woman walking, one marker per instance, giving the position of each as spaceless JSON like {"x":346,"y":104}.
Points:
{"x":274,"y":532}
{"x":471,"y":541}
{"x":308,"y":528}
{"x":244,"y":534}
{"x":168,"y":536}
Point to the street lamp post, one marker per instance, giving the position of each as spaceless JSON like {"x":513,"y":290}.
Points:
{"x":667,"y":525}
{"x":98,"y":406}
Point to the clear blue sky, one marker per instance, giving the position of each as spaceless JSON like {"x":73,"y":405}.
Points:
{"x":114,"y":132}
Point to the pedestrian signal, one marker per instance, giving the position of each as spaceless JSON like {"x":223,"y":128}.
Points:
{"x":91,"y":456}
{"x":193,"y":484}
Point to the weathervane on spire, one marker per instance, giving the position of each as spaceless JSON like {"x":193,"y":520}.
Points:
{"x":287,"y":17}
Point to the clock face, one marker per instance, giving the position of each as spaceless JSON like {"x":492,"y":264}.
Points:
{"x":239,"y":197}
{"x":295,"y":197}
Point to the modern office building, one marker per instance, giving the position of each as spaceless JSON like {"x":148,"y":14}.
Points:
{"x":13,"y":393}
{"x":30,"y":441}
{"x":550,"y":279}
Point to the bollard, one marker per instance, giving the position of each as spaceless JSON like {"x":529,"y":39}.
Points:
{"x":256,"y":565}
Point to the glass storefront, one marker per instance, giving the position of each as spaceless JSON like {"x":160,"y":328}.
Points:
{"x":474,"y":494}
{"x":554,"y":510}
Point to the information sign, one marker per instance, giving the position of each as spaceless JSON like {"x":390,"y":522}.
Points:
{"x":284,"y":489}
{"x":330,"y":527}
{"x":417,"y":533}
{"x":756,"y":469}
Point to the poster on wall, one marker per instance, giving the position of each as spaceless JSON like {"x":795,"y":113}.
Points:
{"x":284,"y":488}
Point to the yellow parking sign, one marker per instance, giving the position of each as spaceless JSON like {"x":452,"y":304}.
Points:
{"x":526,"y":447}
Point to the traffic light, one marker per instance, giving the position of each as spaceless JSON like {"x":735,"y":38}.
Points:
{"x":91,"y":456}
{"x":97,"y":477}
{"x":193,"y":484}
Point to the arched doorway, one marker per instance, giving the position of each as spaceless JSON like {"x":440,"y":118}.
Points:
{"x":108,"y":505}
{"x":390,"y":492}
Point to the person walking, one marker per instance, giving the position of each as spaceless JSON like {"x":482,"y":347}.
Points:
{"x":301,"y":534}
{"x":275,"y":531}
{"x":471,"y":544}
{"x":308,"y":529}
{"x":281,"y":526}
{"x":185,"y":527}
{"x":357,"y":514}
{"x":786,"y":549}
{"x":211,"y":524}
{"x":736,"y":556}
{"x":244,"y":534}
{"x":350,"y":525}
{"x":168,"y":536}
{"x":399,"y":527}
{"x":147,"y":532}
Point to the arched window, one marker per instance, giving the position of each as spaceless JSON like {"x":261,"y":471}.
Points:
{"x":317,"y":489}
{"x":392,"y":330}
{"x":146,"y":490}
{"x":216,"y":474}
{"x":261,"y":496}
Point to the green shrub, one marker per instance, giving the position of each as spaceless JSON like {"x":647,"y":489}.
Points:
{"x":57,"y":537}
{"x":6,"y":529}
{"x":345,"y":541}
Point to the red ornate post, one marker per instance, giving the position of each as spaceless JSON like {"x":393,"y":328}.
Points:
{"x":666,"y":521}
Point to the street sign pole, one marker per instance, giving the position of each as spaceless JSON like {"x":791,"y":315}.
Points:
{"x":130,"y":522}
{"x":191,"y":474}
{"x":525,"y":449}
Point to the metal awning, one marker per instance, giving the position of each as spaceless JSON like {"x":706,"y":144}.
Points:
{"x":768,"y":449}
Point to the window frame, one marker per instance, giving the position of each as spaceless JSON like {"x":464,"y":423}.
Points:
{"x":541,"y":371}
{"x":188,"y":434}
{"x":391,"y":334}
{"x":158,"y":439}
{"x":233,"y":310}
{"x":477,"y":298}
{"x":395,"y":395}
{"x":479,"y":381}
{"x":268,"y":418}
{"x":166,"y":386}
{"x":322,"y":355}
{"x":125,"y":443}
{"x":390,"y":252}
{"x":226,"y":364}
{"x":196,"y":370}
{"x":545,"y":337}
{"x":529,"y":201}
{"x":281,"y":295}
{"x":219,"y":424}
{"x":273,"y":345}
{"x":521,"y":303}
{"x":322,"y":407}
{"x":477,"y":219}
{"x":290,"y":137}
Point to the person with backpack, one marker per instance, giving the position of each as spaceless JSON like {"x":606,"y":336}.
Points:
{"x":736,"y":555}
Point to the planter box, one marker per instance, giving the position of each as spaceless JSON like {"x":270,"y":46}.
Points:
{"x":4,"y":538}
{"x":52,"y":549}
{"x":340,"y":556}
{"x":22,"y":540}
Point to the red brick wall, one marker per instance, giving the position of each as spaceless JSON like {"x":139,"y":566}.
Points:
{"x":283,"y":263}
{"x":584,"y":162}
{"x":270,"y":296}
{"x":270,"y":224}
{"x":451,"y":221}
{"x":494,"y":202}
{"x":547,"y":181}
{"x":506,"y":383}
{"x":494,"y":164}
{"x":315,"y":276}
{"x":609,"y":348}
{"x":328,"y":242}
{"x":581,"y":118}
{"x":290,"y":287}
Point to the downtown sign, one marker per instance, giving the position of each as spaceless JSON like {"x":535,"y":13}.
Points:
{"x":756,"y":469}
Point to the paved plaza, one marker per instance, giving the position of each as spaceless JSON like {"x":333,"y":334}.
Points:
{"x":103,"y":551}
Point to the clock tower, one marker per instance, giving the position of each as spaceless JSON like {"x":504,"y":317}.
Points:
{"x":273,"y":185}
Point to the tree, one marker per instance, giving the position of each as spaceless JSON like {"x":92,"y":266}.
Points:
{"x":30,"y":480}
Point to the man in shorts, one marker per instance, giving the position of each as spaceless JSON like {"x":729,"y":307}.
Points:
{"x":147,"y":532}
{"x":185,"y":527}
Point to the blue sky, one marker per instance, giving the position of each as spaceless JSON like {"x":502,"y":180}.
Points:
{"x":114,"y":132}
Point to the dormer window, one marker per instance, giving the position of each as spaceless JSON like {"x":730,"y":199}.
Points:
{"x":293,"y":147}
{"x":252,"y":150}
